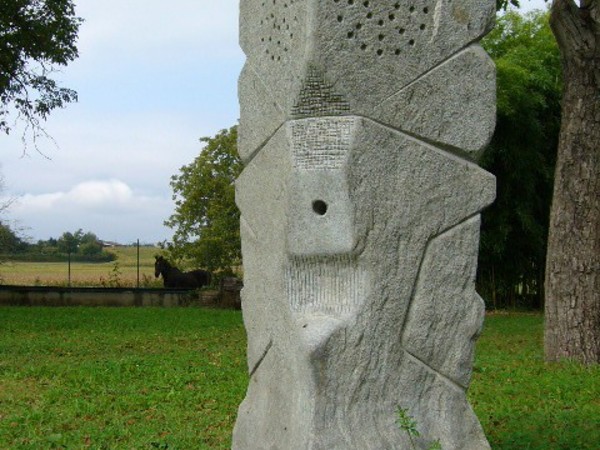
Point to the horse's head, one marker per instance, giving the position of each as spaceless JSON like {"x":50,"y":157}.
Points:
{"x":159,"y":266}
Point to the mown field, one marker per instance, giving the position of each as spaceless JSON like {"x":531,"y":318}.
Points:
{"x":173,"y":378}
{"x":122,"y":272}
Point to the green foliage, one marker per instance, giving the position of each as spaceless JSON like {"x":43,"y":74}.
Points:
{"x":206,"y":220}
{"x":9,"y":241}
{"x":35,"y":36}
{"x":522,"y":157}
{"x":56,"y":257}
{"x":409,"y":425}
{"x":114,"y":279}
{"x":85,"y":247}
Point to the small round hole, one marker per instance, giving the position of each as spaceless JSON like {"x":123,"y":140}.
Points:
{"x":319,"y":207}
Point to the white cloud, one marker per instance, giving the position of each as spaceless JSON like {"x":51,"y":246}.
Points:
{"x":109,"y":208}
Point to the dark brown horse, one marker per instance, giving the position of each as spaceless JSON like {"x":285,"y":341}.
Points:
{"x":175,"y":278}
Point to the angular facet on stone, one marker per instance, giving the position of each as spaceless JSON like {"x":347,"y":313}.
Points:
{"x":356,"y":56}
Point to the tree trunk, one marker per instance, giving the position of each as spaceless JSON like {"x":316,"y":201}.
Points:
{"x":572,"y":289}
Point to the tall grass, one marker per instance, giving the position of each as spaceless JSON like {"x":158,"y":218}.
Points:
{"x":122,"y":272}
{"x":173,"y":378}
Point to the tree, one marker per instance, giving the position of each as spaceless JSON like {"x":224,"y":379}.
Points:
{"x":522,"y":157}
{"x":35,"y":37}
{"x":90,"y":245}
{"x":69,"y":242}
{"x":572,"y":290}
{"x":10,"y":242}
{"x":206,"y":220}
{"x":572,"y":328}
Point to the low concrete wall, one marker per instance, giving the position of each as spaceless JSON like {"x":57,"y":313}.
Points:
{"x":54,"y":296}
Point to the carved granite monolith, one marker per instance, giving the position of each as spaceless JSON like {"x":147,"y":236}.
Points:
{"x":361,"y":124}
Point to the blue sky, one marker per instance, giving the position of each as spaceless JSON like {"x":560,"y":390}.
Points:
{"x":152,"y":77}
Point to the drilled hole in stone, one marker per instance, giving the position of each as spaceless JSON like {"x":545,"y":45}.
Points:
{"x":379,"y":52}
{"x":358,"y":26}
{"x":392,"y":17}
{"x":369,"y":15}
{"x":426,"y":10}
{"x":340,"y":18}
{"x":363,"y":47}
{"x":397,"y":51}
{"x":381,"y":37}
{"x":422,"y":27}
{"x":350,"y":34}
{"x":411,"y":42}
{"x":366,"y":3}
{"x":319,"y":207}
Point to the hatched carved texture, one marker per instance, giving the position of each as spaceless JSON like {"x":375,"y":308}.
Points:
{"x":317,"y":98}
{"x":319,"y":144}
{"x":326,"y":285}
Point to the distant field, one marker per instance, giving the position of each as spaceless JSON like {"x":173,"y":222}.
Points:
{"x":122,"y":272}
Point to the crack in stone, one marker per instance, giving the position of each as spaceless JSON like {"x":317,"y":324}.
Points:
{"x":262,"y":358}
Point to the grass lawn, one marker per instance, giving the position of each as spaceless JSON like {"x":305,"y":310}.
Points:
{"x":173,"y":378}
{"x":525,"y":403}
{"x":119,"y":378}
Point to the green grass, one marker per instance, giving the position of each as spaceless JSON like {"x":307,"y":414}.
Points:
{"x":119,"y":378}
{"x":525,"y":403}
{"x":173,"y":378}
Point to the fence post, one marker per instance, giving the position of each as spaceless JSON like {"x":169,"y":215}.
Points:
{"x":138,"y":263}
{"x":69,"y":268}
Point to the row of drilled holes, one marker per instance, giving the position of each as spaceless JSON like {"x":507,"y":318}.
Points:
{"x":367,"y":3}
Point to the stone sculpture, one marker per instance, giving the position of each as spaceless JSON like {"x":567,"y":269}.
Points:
{"x":361,"y":123}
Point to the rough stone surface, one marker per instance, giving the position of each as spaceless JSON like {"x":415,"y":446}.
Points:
{"x":310,"y":58}
{"x":360,"y":208}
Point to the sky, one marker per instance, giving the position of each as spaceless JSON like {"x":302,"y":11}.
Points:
{"x":152,"y":78}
